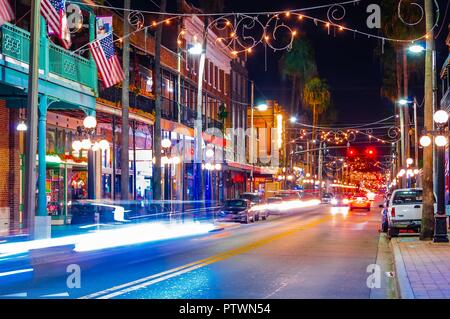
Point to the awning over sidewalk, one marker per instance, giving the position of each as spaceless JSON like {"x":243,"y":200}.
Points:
{"x":256,"y":169}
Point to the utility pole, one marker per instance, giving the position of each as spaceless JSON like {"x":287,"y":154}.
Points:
{"x":252,"y":134}
{"x":125,"y":134}
{"x":320,"y":170}
{"x":416,"y":138}
{"x":32,"y":114}
{"x":427,"y":225}
{"x":198,"y":152}
{"x":156,"y":173}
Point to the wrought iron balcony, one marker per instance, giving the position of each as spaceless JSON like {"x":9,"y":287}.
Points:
{"x":54,"y":61}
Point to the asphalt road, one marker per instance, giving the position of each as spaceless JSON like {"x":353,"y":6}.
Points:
{"x":318,"y":252}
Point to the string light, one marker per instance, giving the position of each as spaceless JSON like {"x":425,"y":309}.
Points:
{"x":270,"y":14}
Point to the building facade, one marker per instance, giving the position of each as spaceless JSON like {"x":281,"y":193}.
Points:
{"x":69,"y":175}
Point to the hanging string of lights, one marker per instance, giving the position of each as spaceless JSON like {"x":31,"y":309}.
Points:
{"x":246,"y":30}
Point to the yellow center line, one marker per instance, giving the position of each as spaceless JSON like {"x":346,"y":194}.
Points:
{"x":150,"y":280}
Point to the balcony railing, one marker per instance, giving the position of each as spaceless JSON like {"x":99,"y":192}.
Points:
{"x":15,"y":43}
{"x":212,"y":123}
{"x":138,"y":101}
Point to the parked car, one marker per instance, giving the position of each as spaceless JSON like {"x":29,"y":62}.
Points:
{"x":359,"y":202}
{"x":254,"y":198}
{"x":326,"y":198}
{"x":86,"y":212}
{"x":258,"y":204}
{"x":237,"y":210}
{"x":404,"y":210}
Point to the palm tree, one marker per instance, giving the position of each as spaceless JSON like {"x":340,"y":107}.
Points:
{"x":316,"y":96}
{"x":299,"y":65}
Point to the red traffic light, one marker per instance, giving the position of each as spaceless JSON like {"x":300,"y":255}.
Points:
{"x":370,"y":151}
{"x":351,"y":152}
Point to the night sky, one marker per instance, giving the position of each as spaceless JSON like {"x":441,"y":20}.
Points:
{"x":348,"y":63}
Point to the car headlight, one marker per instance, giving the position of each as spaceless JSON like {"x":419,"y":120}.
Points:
{"x":334,"y":201}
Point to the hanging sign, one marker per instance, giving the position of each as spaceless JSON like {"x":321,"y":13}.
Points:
{"x":103,"y":26}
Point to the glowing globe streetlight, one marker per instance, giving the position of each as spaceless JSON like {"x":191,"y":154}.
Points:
{"x":209,"y":153}
{"x":76,"y":145}
{"x":21,"y":127}
{"x":86,"y":144}
{"x":104,"y":145}
{"x":440,"y":117}
{"x":440,"y":140}
{"x":425,"y":141}
{"x":166,"y":143}
{"x":89,"y":122}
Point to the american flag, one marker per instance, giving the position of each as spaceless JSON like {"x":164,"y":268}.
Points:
{"x":107,"y":62}
{"x":54,"y":11}
{"x":6,"y":12}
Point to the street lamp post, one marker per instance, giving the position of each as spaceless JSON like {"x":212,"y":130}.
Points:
{"x":198,"y":49}
{"x":261,"y":107}
{"x":441,"y":140}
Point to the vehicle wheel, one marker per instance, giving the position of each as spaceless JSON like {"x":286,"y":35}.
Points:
{"x":256,"y":218}
{"x":393,"y":232}
{"x":264,"y":217}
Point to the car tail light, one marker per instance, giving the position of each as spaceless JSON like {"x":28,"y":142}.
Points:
{"x":393,"y":212}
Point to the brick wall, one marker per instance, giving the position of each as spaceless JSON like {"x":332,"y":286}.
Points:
{"x":4,"y":155}
{"x":9,"y":162}
{"x":14,"y":165}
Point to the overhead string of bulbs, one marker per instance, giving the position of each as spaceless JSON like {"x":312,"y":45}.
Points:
{"x":271,"y":24}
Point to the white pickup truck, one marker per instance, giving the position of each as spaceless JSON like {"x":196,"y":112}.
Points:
{"x":404,"y":210}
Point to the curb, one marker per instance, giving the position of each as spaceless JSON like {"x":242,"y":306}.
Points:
{"x":403,"y":285}
{"x":221,"y":227}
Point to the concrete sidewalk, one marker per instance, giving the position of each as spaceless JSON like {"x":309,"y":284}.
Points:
{"x":422,"y":268}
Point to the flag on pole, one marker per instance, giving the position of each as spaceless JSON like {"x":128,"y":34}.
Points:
{"x":54,"y":12}
{"x":6,"y":12}
{"x":107,"y":62}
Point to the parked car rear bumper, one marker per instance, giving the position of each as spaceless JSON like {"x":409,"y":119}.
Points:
{"x":406,"y":224}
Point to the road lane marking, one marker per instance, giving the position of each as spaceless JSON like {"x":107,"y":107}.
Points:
{"x":153,"y":279}
{"x":15,"y":295}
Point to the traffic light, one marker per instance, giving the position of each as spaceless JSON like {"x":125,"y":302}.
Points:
{"x":351,"y":152}
{"x":370,"y":152}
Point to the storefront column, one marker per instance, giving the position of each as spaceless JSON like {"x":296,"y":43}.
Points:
{"x":113,"y":159}
{"x":42,"y":226}
{"x":134,"y":161}
{"x":42,"y":147}
{"x":92,"y":176}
